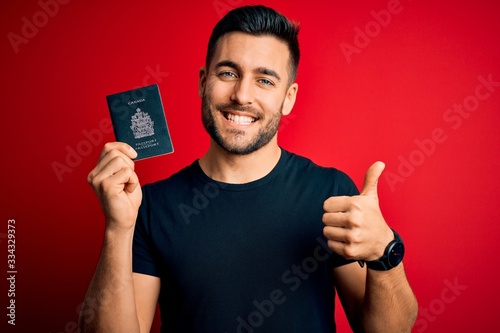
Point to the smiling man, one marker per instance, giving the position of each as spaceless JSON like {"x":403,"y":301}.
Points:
{"x":245,"y":89}
{"x":272,"y":237}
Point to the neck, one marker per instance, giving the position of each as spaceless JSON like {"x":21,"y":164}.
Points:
{"x":225,"y":167}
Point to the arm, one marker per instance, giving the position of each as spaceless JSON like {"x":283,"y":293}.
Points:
{"x":118,"y":300}
{"x":374,"y":301}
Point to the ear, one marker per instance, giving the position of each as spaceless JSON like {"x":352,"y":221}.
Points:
{"x":290,"y":97}
{"x":202,"y":81}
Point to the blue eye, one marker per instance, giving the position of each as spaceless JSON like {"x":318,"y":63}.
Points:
{"x":227,"y":74}
{"x":265,"y":82}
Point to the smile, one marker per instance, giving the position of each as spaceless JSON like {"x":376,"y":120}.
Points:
{"x":239,"y":120}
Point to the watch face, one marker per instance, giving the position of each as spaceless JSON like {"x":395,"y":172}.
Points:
{"x":396,"y":254}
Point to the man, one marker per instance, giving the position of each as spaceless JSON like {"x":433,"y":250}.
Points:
{"x":250,"y":237}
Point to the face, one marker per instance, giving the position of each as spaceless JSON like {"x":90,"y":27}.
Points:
{"x":245,"y":91}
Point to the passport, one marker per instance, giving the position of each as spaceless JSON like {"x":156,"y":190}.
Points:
{"x":139,"y":120}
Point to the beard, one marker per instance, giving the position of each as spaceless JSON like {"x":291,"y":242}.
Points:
{"x":236,"y":143}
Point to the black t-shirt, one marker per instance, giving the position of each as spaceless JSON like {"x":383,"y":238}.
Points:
{"x":241,"y":257}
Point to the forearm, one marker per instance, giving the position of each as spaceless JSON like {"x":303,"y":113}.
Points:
{"x":109,"y":305}
{"x":389,"y":304}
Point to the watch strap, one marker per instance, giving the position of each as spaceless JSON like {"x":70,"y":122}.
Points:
{"x":383,"y":263}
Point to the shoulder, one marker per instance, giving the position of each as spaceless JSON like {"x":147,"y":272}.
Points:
{"x":305,"y":167}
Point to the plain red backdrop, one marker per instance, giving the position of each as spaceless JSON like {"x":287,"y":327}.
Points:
{"x":372,"y":87}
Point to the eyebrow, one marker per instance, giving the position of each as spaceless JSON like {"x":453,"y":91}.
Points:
{"x":260,"y":70}
{"x":267,"y":71}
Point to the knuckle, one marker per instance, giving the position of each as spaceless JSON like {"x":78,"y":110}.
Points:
{"x":114,"y":153}
{"x":354,"y":237}
{"x":349,"y":238}
{"x":90,"y":177}
{"x":94,"y":182}
{"x":355,"y":219}
{"x":105,"y":185}
{"x":349,"y":221}
{"x":349,"y":252}
{"x":121,"y":160}
{"x":127,"y":172}
{"x":107,"y":146}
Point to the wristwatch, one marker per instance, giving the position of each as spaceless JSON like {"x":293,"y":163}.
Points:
{"x":393,"y":255}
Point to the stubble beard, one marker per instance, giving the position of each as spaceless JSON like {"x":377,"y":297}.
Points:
{"x":263,"y":137}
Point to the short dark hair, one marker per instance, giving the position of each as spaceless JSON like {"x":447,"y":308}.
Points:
{"x":258,"y":21}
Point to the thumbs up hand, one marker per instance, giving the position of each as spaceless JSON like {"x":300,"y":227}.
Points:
{"x":354,"y":226}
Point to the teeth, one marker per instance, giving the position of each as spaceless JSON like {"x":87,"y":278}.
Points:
{"x":240,"y":120}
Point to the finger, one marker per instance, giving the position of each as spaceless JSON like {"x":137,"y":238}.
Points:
{"x":107,"y":158}
{"x":337,"y":204}
{"x":110,"y":189}
{"x":113,"y":192}
{"x":336,"y":234}
{"x":346,"y":242}
{"x":344,"y":249}
{"x":120,"y":146}
{"x":132,"y":182}
{"x":124,"y":180}
{"x":115,"y":153}
{"x":106,"y":169}
{"x":337,"y":219}
{"x":371,"y":179}
{"x":341,"y":248}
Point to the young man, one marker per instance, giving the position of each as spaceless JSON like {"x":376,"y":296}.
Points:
{"x":250,"y":237}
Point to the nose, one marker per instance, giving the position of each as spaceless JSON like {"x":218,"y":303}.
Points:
{"x":243,"y":92}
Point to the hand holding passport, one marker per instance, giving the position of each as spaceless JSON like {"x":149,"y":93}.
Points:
{"x":139,"y":120}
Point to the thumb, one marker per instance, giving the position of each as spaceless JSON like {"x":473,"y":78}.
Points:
{"x":371,"y":179}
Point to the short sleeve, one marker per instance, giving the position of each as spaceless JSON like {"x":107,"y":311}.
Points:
{"x":343,"y":185}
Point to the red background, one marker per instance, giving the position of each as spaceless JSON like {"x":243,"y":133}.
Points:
{"x":376,"y":104}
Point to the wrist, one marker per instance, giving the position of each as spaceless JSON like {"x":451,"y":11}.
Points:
{"x":114,"y":232}
{"x":389,"y":237}
{"x":392,"y":255}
